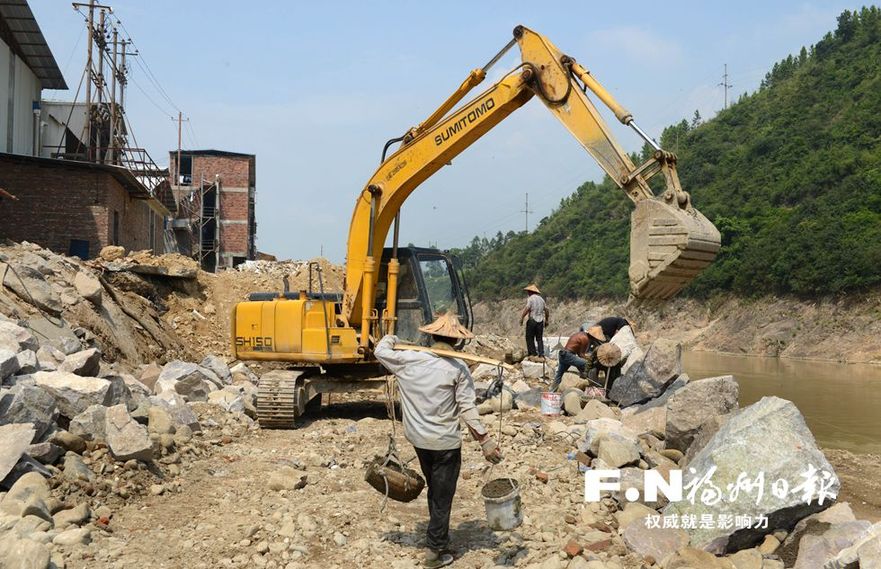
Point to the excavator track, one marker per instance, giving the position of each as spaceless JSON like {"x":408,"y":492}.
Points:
{"x":669,"y":247}
{"x":280,"y":399}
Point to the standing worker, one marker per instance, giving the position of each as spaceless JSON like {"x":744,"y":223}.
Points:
{"x":537,"y":313}
{"x":435,"y":392}
{"x":575,"y":352}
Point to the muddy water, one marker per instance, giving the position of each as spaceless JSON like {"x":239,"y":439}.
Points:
{"x":841,"y":402}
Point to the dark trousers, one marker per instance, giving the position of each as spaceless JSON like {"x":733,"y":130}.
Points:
{"x":441,"y":471}
{"x":566,"y":360}
{"x":535,"y":344}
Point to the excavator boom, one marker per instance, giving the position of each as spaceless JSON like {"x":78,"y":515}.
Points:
{"x":388,"y":290}
{"x":671,"y":242}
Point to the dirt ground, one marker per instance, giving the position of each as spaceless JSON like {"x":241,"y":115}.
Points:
{"x":860,"y":476}
{"x":227,"y":514}
{"x":229,"y":510}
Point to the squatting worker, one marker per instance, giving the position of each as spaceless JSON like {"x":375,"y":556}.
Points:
{"x":536,"y":315}
{"x":574,"y":353}
{"x":435,"y":392}
{"x":611,"y":325}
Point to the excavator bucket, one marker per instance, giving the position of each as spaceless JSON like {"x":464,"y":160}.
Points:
{"x":669,"y":247}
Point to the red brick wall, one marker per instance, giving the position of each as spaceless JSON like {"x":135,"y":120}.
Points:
{"x":59,"y":202}
{"x":234,"y":171}
{"x":234,"y":238}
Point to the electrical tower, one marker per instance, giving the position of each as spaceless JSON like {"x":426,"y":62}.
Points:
{"x":526,"y":211}
{"x":725,"y":85}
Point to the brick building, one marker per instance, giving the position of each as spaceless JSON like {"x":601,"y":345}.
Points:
{"x":216,"y":192}
{"x":76,"y":208}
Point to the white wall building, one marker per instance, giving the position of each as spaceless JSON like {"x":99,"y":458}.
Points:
{"x":27,"y":66}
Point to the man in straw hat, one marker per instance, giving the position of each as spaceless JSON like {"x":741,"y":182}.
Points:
{"x":537,"y":314}
{"x":435,"y":392}
{"x":575,"y":352}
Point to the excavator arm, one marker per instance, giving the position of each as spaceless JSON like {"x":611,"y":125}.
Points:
{"x":671,"y":242}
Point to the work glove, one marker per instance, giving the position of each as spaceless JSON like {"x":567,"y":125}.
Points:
{"x":491,"y":450}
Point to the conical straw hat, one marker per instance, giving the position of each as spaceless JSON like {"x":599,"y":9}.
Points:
{"x":609,"y":355}
{"x":532,"y":288}
{"x":596,"y":332}
{"x":448,"y":326}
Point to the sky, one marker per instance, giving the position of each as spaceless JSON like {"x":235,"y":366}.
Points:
{"x":314,"y":89}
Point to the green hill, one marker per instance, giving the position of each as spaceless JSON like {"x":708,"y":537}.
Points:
{"x":790,"y":174}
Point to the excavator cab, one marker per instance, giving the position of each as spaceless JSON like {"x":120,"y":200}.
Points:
{"x":430,"y":283}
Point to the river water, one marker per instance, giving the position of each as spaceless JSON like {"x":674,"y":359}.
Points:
{"x":840,"y":402}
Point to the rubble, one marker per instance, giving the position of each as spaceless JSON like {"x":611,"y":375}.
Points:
{"x":131,"y":423}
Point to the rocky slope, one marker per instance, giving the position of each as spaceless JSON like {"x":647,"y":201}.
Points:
{"x":843,"y":329}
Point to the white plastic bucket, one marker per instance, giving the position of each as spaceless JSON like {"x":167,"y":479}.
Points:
{"x":501,"y":497}
{"x":551,"y":403}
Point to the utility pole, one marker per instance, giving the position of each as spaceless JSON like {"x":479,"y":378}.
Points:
{"x":527,"y":211}
{"x":113,"y":119}
{"x":725,"y":85}
{"x":180,"y":121}
{"x":99,"y":40}
{"x":89,"y":82}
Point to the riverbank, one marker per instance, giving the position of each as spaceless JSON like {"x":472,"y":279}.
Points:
{"x":840,"y":329}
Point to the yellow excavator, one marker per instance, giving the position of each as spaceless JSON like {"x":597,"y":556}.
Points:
{"x":328,"y":336}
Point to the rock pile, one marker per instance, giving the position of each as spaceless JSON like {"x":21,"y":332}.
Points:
{"x":757,"y":490}
{"x":78,"y":434}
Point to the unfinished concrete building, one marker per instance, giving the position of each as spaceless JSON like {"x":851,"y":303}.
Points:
{"x":215,"y":192}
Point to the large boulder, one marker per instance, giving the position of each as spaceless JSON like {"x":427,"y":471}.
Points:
{"x":601,"y":428}
{"x":8,"y":363}
{"x":15,"y":338}
{"x":88,"y":287}
{"x":74,"y":394}
{"x":29,"y":404}
{"x":28,"y":496}
{"x":16,"y":438}
{"x":175,"y":405}
{"x":149,"y":375}
{"x":617,"y":451}
{"x":534,"y":370}
{"x":652,"y":420}
{"x":49,"y":357}
{"x":30,"y":285}
{"x":769,"y":438}
{"x":27,"y":362}
{"x":818,"y":550}
{"x":594,"y":409}
{"x":218,"y":366}
{"x":21,"y":553}
{"x":191,"y":381}
{"x":649,"y":377}
{"x":86,"y":363}
{"x":126,"y":438}
{"x":655,"y":542}
{"x":90,"y":424}
{"x":695,"y":404}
